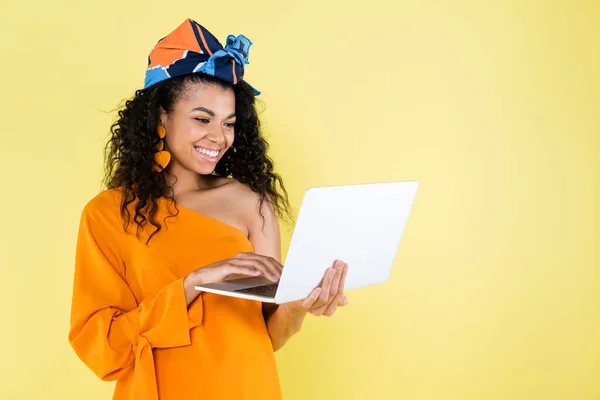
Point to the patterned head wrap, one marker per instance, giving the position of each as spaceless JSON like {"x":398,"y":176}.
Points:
{"x":191,"y":48}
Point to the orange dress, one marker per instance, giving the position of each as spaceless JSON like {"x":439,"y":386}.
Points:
{"x":130,"y":321}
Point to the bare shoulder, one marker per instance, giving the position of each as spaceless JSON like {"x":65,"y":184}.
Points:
{"x":248,"y":199}
{"x":260,"y":218}
{"x":256,"y":214}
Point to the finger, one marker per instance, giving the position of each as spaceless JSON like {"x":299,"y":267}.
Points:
{"x":343,"y":278}
{"x":270,"y":263}
{"x":253,"y":264}
{"x":268,"y":271}
{"x":343,"y":301}
{"x":311,"y":299}
{"x":242,"y":270}
{"x":335,"y":283}
{"x":275,"y":265}
{"x":332,"y":307}
{"x":232,"y":277}
{"x":318,"y":311}
{"x":326,"y":286}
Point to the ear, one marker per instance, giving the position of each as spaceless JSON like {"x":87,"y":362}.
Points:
{"x":163,"y":116}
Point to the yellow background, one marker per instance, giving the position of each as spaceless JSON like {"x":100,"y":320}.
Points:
{"x":493,"y":106}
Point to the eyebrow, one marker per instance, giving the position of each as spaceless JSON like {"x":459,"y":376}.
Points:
{"x":210,"y":112}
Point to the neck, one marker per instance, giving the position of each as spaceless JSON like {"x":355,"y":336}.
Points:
{"x":185,"y":181}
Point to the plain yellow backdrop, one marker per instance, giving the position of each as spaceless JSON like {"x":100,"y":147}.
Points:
{"x":492,"y":105}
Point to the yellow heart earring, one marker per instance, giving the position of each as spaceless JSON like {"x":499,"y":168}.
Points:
{"x":161,"y":157}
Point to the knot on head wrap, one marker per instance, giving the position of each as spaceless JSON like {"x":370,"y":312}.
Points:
{"x":191,"y":48}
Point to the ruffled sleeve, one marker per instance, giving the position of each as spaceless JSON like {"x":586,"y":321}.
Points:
{"x":109,"y":331}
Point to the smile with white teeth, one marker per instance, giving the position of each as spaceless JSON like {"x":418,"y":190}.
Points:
{"x":210,"y":153}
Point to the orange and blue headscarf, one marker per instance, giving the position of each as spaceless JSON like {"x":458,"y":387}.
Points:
{"x":191,"y":48}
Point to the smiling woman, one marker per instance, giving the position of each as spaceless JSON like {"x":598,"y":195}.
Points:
{"x":207,"y":116}
{"x":187,"y":149}
{"x":199,"y":115}
{"x":200,"y":135}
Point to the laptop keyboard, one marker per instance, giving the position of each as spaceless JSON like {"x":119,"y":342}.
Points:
{"x":266,"y":290}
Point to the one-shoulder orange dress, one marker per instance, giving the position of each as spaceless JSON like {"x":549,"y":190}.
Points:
{"x":130,"y":321}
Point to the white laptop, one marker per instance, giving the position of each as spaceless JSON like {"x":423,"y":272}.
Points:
{"x":359,"y":224}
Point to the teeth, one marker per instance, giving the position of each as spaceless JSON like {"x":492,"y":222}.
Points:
{"x":209,"y":153}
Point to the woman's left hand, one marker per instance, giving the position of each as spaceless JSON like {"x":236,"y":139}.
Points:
{"x":325,"y":299}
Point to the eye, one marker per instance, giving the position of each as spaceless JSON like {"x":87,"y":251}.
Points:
{"x":203,"y":120}
{"x":230,"y":124}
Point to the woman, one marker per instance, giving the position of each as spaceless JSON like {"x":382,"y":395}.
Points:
{"x":191,"y":198}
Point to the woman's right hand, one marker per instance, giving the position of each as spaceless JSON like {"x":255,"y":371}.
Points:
{"x":240,"y":265}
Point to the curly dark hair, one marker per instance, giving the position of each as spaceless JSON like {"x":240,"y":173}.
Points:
{"x":129,"y":153}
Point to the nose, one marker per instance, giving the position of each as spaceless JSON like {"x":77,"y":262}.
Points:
{"x":216,"y":135}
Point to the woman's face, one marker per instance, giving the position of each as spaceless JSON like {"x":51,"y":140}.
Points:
{"x":200,"y":128}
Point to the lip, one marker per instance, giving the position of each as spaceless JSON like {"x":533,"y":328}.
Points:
{"x":210,"y":148}
{"x":207,"y":157}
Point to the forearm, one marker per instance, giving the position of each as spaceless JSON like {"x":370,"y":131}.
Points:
{"x":190,"y":289}
{"x":283,"y":324}
{"x":106,"y":336}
